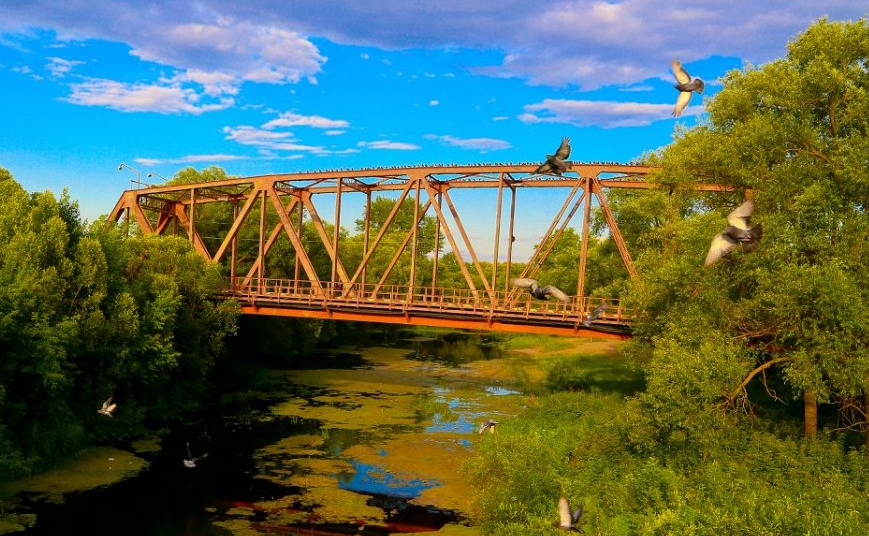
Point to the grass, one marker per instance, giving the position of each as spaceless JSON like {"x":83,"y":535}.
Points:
{"x":587,"y":438}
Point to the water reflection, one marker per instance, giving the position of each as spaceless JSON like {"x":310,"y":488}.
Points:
{"x":366,"y":443}
{"x":455,"y":348}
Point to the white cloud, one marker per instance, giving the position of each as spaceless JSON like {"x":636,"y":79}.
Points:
{"x":481,"y":144}
{"x":190,"y":159}
{"x":390,"y":145}
{"x":160,"y":98}
{"x":59,"y":67}
{"x":606,"y":114}
{"x":290,"y":119}
{"x":267,"y":139}
{"x":241,"y":49}
{"x":433,"y":102}
{"x":587,"y":43}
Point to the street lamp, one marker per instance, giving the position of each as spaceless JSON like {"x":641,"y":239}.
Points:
{"x":138,"y":181}
{"x":152,"y":174}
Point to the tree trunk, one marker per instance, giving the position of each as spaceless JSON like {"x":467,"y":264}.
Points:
{"x":866,"y":419}
{"x":810,"y":413}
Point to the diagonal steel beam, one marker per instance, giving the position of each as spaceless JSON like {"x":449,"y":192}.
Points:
{"x":324,"y":236}
{"x":236,"y":225}
{"x":301,"y":254}
{"x":449,"y":234}
{"x":614,"y":227}
{"x":468,"y":244}
{"x":401,"y":248}
{"x":192,"y":233}
{"x":381,"y":233}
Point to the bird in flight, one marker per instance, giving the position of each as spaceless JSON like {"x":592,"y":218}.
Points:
{"x":489,"y":425}
{"x":686,"y":86}
{"x":539,"y":292}
{"x":556,"y":163}
{"x":736,"y":233}
{"x":190,"y":461}
{"x":568,"y":519}
{"x":596,"y":313}
{"x":107,"y":408}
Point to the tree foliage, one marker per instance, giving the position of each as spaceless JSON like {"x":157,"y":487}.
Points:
{"x":792,"y":134}
{"x":86,"y":314}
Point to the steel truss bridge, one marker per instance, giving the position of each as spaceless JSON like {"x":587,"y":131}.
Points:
{"x":274,"y":208}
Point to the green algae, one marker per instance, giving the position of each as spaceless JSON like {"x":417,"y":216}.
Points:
{"x":91,"y":468}
{"x":10,"y":523}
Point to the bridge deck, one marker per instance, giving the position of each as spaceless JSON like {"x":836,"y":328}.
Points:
{"x":440,"y":307}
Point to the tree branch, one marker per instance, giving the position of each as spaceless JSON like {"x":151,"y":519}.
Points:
{"x":752,"y":374}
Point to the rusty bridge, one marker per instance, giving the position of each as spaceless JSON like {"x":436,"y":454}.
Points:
{"x":268,"y":234}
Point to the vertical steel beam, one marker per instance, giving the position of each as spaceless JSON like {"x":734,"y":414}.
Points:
{"x":537,"y":259}
{"x":367,"y":233}
{"x":297,"y":272}
{"x":198,"y":244}
{"x":414,"y":247}
{"x":583,"y":248}
{"x":237,"y":221}
{"x":262,"y":231}
{"x":497,"y":230}
{"x":449,"y":235}
{"x":382,"y":231}
{"x":437,"y":251}
{"x":512,"y":236}
{"x":401,"y":248}
{"x":336,"y":230}
{"x":233,"y":250}
{"x":192,"y":214}
{"x":324,"y":236}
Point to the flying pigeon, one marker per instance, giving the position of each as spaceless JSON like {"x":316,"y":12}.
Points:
{"x":107,"y":408}
{"x":567,"y":518}
{"x":737,"y":232}
{"x":556,"y":163}
{"x":596,"y":313}
{"x":488,"y":425}
{"x":190,"y":461}
{"x":540,"y":292}
{"x":685,"y":86}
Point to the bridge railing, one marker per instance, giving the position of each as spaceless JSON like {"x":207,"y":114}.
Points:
{"x":421,"y":300}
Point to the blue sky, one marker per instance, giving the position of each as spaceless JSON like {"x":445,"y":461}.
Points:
{"x":263,"y":86}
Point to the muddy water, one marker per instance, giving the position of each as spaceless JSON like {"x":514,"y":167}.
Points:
{"x":372,"y":445}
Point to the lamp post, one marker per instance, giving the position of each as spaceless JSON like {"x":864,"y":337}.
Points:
{"x":152,"y":174}
{"x":138,"y":180}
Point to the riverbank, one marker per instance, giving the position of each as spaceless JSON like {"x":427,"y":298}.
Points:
{"x":373,"y":439}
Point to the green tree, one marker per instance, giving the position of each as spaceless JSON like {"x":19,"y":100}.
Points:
{"x":794,"y":133}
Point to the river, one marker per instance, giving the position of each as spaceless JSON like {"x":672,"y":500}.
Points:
{"x":369,"y":441}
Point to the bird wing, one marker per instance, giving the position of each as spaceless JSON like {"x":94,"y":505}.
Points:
{"x":721,"y":245}
{"x":543,"y":168}
{"x":555,"y":293}
{"x":681,"y":74}
{"x":740,"y":217}
{"x":483,"y":427}
{"x":111,"y":408}
{"x":574,"y":517}
{"x":563,"y":151}
{"x":681,"y":102}
{"x":564,"y":519}
{"x":106,"y":403}
{"x":525,"y":282}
